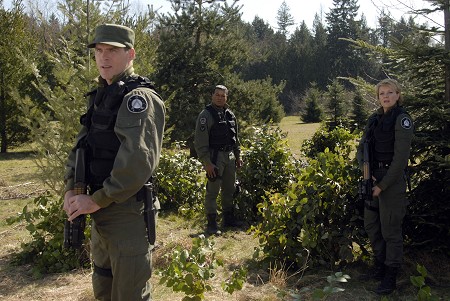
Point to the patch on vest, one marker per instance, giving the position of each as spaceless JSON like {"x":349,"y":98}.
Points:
{"x":406,"y":123}
{"x":202,"y":120}
{"x":137,"y":104}
{"x":203,"y":128}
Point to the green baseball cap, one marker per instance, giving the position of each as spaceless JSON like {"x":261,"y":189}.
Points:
{"x":113,"y":34}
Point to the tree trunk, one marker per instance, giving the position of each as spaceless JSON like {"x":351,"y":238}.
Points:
{"x":447,"y":48}
{"x":3,"y":136}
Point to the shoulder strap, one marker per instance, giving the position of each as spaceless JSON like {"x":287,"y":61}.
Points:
{"x":213,"y":112}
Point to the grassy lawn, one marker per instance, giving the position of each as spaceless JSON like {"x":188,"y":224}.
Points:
{"x":18,"y":186}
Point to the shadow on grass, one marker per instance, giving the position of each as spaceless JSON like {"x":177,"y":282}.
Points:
{"x":17,"y":155}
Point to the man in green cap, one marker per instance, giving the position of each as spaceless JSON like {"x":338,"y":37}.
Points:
{"x":122,"y":134}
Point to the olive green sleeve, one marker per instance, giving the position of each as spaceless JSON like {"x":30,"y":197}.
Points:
{"x":201,"y":139}
{"x":404,"y":131}
{"x":141,"y":136}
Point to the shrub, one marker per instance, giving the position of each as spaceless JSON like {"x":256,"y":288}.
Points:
{"x":316,"y":218}
{"x":336,"y":140}
{"x":45,"y":251}
{"x":268,"y":168}
{"x":180,"y":181}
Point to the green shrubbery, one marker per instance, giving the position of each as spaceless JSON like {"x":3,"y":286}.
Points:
{"x":180,"y":182}
{"x":268,"y":168}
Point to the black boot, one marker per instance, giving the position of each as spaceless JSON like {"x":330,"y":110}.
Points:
{"x":229,"y":220}
{"x":212,"y":227}
{"x":376,"y":272}
{"x":389,"y":282}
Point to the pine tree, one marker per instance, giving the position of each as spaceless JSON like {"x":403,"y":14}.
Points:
{"x":312,"y":112}
{"x":284,"y":18}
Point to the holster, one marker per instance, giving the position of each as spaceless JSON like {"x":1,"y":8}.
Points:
{"x":151,"y":208}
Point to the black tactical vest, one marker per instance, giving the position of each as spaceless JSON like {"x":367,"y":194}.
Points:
{"x":101,"y":141}
{"x":384,"y":136}
{"x":223,"y":133}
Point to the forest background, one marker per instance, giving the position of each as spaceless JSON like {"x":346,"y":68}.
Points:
{"x":322,"y":74}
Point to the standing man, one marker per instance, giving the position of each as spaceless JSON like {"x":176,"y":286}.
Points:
{"x":388,"y":134}
{"x":217,"y":145}
{"x":122,"y":133}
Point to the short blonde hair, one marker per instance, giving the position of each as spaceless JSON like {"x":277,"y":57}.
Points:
{"x":393,"y":84}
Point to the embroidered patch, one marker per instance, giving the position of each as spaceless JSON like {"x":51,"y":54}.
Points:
{"x":202,"y":128}
{"x":203,"y":120}
{"x":137,"y":104}
{"x":406,"y":123}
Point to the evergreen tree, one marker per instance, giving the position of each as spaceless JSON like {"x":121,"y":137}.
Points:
{"x":284,"y":18}
{"x":342,"y":24}
{"x":360,"y":111}
{"x":320,"y":59}
{"x":17,"y":45}
{"x":336,"y":102}
{"x":299,"y":66}
{"x":312,"y":112}
{"x":200,"y":44}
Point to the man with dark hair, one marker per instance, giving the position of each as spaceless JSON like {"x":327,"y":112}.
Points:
{"x":217,"y":146}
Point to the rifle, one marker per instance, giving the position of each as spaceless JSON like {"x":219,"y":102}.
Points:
{"x":74,"y":230}
{"x":366,"y":183}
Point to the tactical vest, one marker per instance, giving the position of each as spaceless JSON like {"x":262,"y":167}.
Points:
{"x":384,"y":136}
{"x":101,"y":141}
{"x":223,"y":133}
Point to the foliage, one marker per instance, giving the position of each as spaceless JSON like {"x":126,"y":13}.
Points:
{"x":45,"y":223}
{"x":200,"y":44}
{"x":190,"y":271}
{"x":317,"y":217}
{"x":360,"y":111}
{"x":336,"y":102}
{"x":255,"y":101}
{"x":180,"y":181}
{"x":337,"y":140}
{"x":321,"y":294}
{"x":13,"y":74}
{"x":284,"y":18}
{"x":236,"y":281}
{"x":313,"y":111}
{"x":424,"y":293}
{"x":268,"y":168}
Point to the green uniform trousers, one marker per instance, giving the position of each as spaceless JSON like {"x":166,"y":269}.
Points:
{"x":121,"y":253}
{"x":226,"y":163}
{"x":384,"y":226}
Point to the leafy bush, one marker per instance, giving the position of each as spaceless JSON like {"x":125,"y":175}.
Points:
{"x":180,"y":181}
{"x":336,"y":140}
{"x":269,"y":167}
{"x":189,"y":271}
{"x":317,"y":217}
{"x":45,"y":251}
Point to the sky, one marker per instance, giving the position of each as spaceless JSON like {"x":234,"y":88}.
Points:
{"x":305,"y":10}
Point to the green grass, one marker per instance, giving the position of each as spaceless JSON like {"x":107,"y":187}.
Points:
{"x":234,"y":247}
{"x":297,"y":132}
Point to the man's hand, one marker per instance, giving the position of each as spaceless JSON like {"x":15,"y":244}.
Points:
{"x":78,"y":204}
{"x":210,"y":170}
{"x":376,"y":191}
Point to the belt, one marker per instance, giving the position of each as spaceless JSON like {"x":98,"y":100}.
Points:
{"x":226,"y":148}
{"x":381,"y":165}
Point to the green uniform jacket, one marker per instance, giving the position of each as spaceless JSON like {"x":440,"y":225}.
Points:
{"x":203,"y":126}
{"x":402,"y":149}
{"x":141,"y":136}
